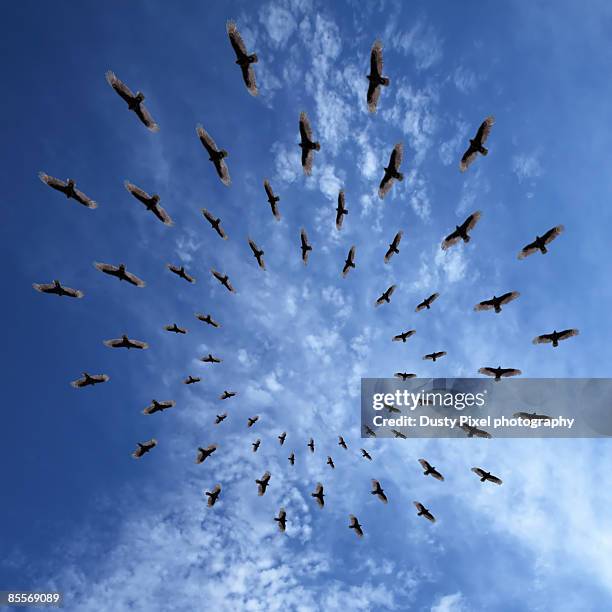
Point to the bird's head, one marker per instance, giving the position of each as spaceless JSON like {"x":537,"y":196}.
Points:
{"x":155,"y":198}
{"x":70,"y":182}
{"x":124,"y":337}
{"x":253,"y":59}
{"x":223,"y":153}
{"x":56,"y":283}
{"x":139,"y":97}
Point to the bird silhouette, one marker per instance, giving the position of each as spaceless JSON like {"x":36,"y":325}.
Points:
{"x":404,"y":335}
{"x":531,"y":416}
{"x":404,"y":375}
{"x":216,"y":156}
{"x":473,"y":432}
{"x":496,"y":303}
{"x":369,"y":431}
{"x":305,"y":246}
{"x":156,"y":406}
{"x":375,"y":78}
{"x":427,"y":302}
{"x":227,"y":394}
{"x":190,"y":380}
{"x":134,"y":101}
{"x":181,"y":272}
{"x":392,"y":172}
{"x":244,"y":59}
{"x":150,"y":202}
{"x":477,"y":144}
{"x":119,"y":272}
{"x":342,"y":443}
{"x":281,"y":438}
{"x":205,"y":453}
{"x":330,"y":462}
{"x":89,"y":380}
{"x":355,"y":525}
{"x":215,"y":223}
{"x":258,"y":254}
{"x":540,"y":242}
{"x":281,"y":519}
{"x":144,"y":447}
{"x":58,"y":289}
{"x":434,"y":356}
{"x":220,"y":418}
{"x":307,"y":144}
{"x":68,"y":188}
{"x":262,"y":483}
{"x":125,"y":342}
{"x":499,"y":372}
{"x":319,"y":495}
{"x":430,"y":470}
{"x":484,"y":476}
{"x":252,"y":420}
{"x":393,"y":247}
{"x":424,"y":512}
{"x":365,"y":454}
{"x":224,"y":280}
{"x":378,"y":491}
{"x":461,"y":231}
{"x":255,"y":445}
{"x":210,"y":359}
{"x":398,"y":434}
{"x":311,"y":445}
{"x":385,"y":298}
{"x":349,"y":262}
{"x":213,"y":495}
{"x":555,"y":337}
{"x":341,"y":210}
{"x":174,"y":328}
{"x":207,"y":319}
{"x":292,"y":458}
{"x":272,"y":200}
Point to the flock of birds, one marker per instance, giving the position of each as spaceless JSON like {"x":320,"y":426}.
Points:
{"x":309,"y":146}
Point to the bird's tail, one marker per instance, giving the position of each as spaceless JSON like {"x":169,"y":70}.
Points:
{"x":467,"y":238}
{"x":400,"y":176}
{"x":317,"y":146}
{"x":544,"y":250}
{"x":555,"y":343}
{"x":385,"y":81}
{"x":253,"y":59}
{"x":498,"y":309}
{"x":484,"y":151}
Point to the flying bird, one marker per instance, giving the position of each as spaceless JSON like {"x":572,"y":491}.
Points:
{"x":150,"y":202}
{"x":224,"y":280}
{"x":210,"y":359}
{"x":319,"y":495}
{"x":255,"y":445}
{"x":378,"y":491}
{"x":392,"y":172}
{"x":220,"y":418}
{"x":89,"y":380}
{"x":393,"y":247}
{"x":531,"y":416}
{"x":424,"y":512}
{"x":262,"y":483}
{"x":404,"y":375}
{"x":499,"y":372}
{"x":207,"y":319}
{"x":556,"y":336}
{"x":305,"y":246}
{"x":125,"y":342}
{"x":175,"y":329}
{"x":342,"y":443}
{"x":281,"y":438}
{"x":461,"y":231}
{"x":330,"y":462}
{"x":307,"y":144}
{"x":349,"y":262}
{"x":369,"y":431}
{"x":181,"y":272}
{"x":477,"y":144}
{"x":365,"y":454}
{"x":258,"y":254}
{"x":404,"y":335}
{"x":434,"y":356}
{"x":540,"y":242}
{"x":486,"y":476}
{"x":386,"y":296}
{"x":156,"y":406}
{"x":375,"y":78}
{"x":496,"y":303}
{"x":190,"y":380}
{"x":281,"y":519}
{"x":144,"y":448}
{"x":215,"y":223}
{"x":427,"y":302}
{"x":292,"y":458}
{"x":392,"y":409}
{"x":215,"y":155}
{"x":205,"y":453}
{"x":311,"y":445}
{"x":244,"y":59}
{"x":68,"y":188}
{"x":354,"y":524}
{"x":213,"y":495}
{"x":227,"y":394}
{"x":58,"y":289}
{"x":119,"y":272}
{"x":474,"y":432}
{"x":430,"y":470}
{"x":341,"y":210}
{"x":134,"y":101}
{"x":398,"y":434}
{"x":252,"y":420}
{"x":272,"y":200}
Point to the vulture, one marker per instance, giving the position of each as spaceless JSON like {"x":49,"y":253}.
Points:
{"x":180,"y":272}
{"x":68,"y":188}
{"x":341,"y":210}
{"x":386,"y":296}
{"x":213,"y":495}
{"x":398,"y":434}
{"x":215,"y":223}
{"x":224,"y":280}
{"x":555,"y":336}
{"x":330,"y":462}
{"x":392,"y":172}
{"x":190,"y":380}
{"x":207,"y":319}
{"x":319,"y":495}
{"x":156,"y":406}
{"x":291,"y":458}
{"x":210,"y":359}
{"x":427,"y":302}
{"x":134,"y":101}
{"x":307,"y":144}
{"x":144,"y":447}
{"x":272,"y":200}
{"x":150,"y":202}
{"x":404,"y":335}
{"x":461,"y":231}
{"x":215,"y":155}
{"x":89,"y":380}
{"x":430,"y":470}
{"x":531,"y":416}
{"x":258,"y":254}
{"x":305,"y":246}
{"x":540,"y":242}
{"x":262,"y":483}
{"x":474,"y":432}
{"x":119,"y":272}
{"x":349,"y":262}
{"x":255,"y":445}
{"x":252,"y":420}
{"x":220,"y":417}
{"x":476,"y":144}
{"x":354,"y":524}
{"x":369,"y":431}
{"x":58,"y":289}
{"x":424,"y":512}
{"x":404,"y":375}
{"x":342,"y":443}
{"x":486,"y":476}
{"x":378,"y":491}
{"x":281,"y":519}
{"x":243,"y":58}
{"x":434,"y":356}
{"x":365,"y":454}
{"x":125,"y":342}
{"x":175,"y":329}
{"x":311,"y":445}
{"x":227,"y":394}
{"x":392,"y":409}
{"x":375,"y":78}
{"x":499,"y":372}
{"x":205,"y":453}
{"x":496,"y":303}
{"x":281,"y":438}
{"x":392,"y":250}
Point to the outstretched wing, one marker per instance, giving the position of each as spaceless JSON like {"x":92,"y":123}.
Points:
{"x":485,"y":129}
{"x":206,"y":140}
{"x":81,"y":198}
{"x":236,"y":40}
{"x":53,"y":182}
{"x":305,"y":129}
{"x":160,"y":212}
{"x":506,"y":298}
{"x":373,"y":96}
{"x":137,"y":192}
{"x":145,"y":116}
{"x":543,"y":339}
{"x":248,"y":76}
{"x":223,"y":171}
{"x":376,"y":59}
{"x":397,"y":154}
{"x":487,"y":371}
{"x":119,"y":86}
{"x":528,"y":250}
{"x":471,"y":221}
{"x":568,"y":333}
{"x":551,"y":234}
{"x":450,"y":240}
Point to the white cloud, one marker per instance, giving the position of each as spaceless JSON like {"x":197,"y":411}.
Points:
{"x":526,"y":166}
{"x":449,"y":603}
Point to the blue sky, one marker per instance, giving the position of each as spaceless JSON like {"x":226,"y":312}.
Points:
{"x":79,"y":514}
